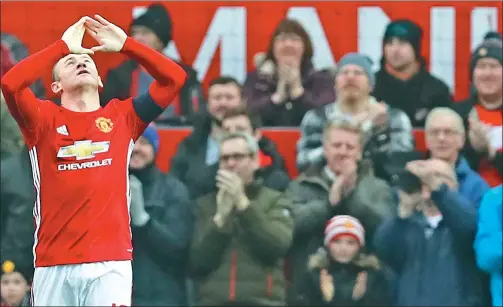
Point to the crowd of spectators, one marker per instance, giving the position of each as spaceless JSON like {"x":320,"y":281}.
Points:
{"x":370,"y":221}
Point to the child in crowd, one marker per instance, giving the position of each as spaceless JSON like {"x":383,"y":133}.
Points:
{"x":15,"y":285}
{"x":340,"y":274}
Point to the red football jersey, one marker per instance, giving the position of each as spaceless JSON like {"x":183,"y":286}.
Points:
{"x":80,"y":160}
{"x":80,"y":171}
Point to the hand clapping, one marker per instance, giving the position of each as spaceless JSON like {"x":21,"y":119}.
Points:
{"x":232,"y":184}
{"x":327,"y":285}
{"x":225,"y":205}
{"x":478,"y":136}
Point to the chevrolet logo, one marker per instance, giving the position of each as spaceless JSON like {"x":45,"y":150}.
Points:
{"x":82,"y":150}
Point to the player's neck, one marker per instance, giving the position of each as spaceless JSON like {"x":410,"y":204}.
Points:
{"x":81,"y":101}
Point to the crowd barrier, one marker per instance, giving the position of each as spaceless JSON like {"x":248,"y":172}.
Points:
{"x":284,"y":138}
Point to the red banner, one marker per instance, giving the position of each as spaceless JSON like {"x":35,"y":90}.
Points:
{"x":222,"y":37}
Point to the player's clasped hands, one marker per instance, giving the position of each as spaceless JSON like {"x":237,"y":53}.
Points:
{"x":110,"y":37}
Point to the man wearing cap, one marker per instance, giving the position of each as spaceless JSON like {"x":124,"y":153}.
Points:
{"x":154,"y":28}
{"x":482,"y":111}
{"x":386,"y":129}
{"x":161,"y":223}
{"x":404,"y":81}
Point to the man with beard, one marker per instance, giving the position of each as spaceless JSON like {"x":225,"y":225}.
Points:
{"x":403,"y":81}
{"x":385,"y":129}
{"x":200,"y":150}
{"x":161,"y":222}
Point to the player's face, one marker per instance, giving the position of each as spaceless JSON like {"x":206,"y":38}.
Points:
{"x":75,"y":71}
{"x":13,"y":288}
{"x":143,"y":154}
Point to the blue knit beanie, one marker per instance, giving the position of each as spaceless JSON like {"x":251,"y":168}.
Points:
{"x":360,"y":60}
{"x":152,"y":136}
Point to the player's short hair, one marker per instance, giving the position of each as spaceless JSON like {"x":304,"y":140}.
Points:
{"x":251,"y":142}
{"x":346,"y":125}
{"x":55,"y":76}
{"x":443,"y":112}
{"x":243,"y":110}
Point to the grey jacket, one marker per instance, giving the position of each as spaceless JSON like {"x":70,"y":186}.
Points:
{"x":370,"y":202}
{"x":397,"y":136}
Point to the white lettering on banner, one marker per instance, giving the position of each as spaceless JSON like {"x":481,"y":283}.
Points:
{"x":228,"y":28}
{"x":84,"y":165}
{"x":171,"y":49}
{"x":442,"y":43}
{"x":496,"y":137}
{"x":372,"y":22}
{"x":483,"y":20}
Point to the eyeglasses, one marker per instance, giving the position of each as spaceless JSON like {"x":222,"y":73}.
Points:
{"x":234,"y":156}
{"x":447,"y":132}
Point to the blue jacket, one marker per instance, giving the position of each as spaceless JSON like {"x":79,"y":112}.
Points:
{"x":438,"y":270}
{"x":471,"y":185}
{"x":488,"y":243}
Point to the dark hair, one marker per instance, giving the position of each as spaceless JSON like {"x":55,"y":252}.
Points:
{"x":242,"y":110}
{"x":292,"y":26}
{"x":222,"y":80}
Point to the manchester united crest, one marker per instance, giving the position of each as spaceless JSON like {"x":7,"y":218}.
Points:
{"x":104,"y":124}
{"x":348,"y":225}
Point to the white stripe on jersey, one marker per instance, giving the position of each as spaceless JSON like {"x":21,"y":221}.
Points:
{"x":128,"y":192}
{"x":36,"y":208}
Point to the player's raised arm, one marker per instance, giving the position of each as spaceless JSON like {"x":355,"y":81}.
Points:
{"x":169,"y":76}
{"x":26,"y":109}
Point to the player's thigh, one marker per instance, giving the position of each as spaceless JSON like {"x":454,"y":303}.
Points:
{"x":113,"y":287}
{"x":51,"y":287}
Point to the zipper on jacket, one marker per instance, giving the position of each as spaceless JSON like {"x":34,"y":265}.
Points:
{"x":269,"y":284}
{"x":232,"y":277}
